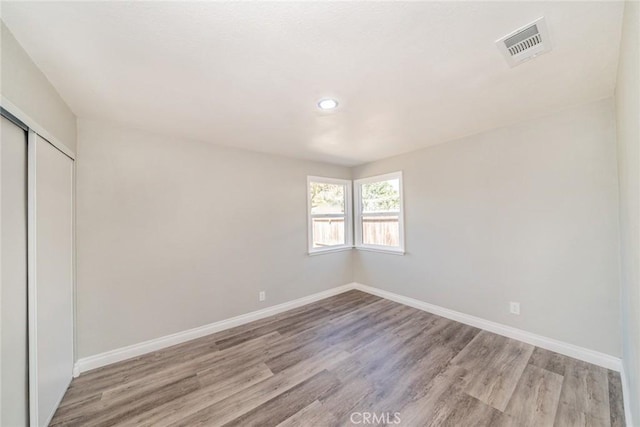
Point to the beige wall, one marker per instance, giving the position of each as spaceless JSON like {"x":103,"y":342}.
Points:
{"x":526,"y":213}
{"x":174,"y":234}
{"x":628,"y":127}
{"x":24,"y":85}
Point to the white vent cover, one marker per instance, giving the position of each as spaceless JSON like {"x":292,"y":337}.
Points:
{"x":525,"y":43}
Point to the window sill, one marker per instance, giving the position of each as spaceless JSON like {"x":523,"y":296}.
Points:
{"x":381,"y":250}
{"x":329,"y":250}
{"x":360,"y":248}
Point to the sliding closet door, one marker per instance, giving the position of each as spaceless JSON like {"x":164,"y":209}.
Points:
{"x":51,"y":277}
{"x":13,"y":264}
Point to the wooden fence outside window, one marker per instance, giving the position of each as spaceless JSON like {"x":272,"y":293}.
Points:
{"x":378,"y":230}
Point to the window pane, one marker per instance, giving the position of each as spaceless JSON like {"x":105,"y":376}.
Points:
{"x":381,"y":230}
{"x":327,"y":198}
{"x":381,"y":196}
{"x":327,"y":232}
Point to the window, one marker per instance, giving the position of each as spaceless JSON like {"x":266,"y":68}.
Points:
{"x":329,"y":206}
{"x":379,"y":213}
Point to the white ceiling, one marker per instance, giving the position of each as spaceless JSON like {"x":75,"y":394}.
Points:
{"x":407,"y":75}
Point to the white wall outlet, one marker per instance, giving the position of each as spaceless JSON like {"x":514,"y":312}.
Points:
{"x":262,"y":296}
{"x":514,"y":307}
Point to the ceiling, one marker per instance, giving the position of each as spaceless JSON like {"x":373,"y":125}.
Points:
{"x":248,"y":74}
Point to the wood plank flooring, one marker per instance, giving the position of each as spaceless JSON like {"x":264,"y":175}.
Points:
{"x":352,"y":359}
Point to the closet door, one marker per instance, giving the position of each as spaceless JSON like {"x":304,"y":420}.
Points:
{"x":13,"y":264}
{"x":50,"y":277}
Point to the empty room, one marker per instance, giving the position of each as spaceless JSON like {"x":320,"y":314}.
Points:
{"x":320,"y":213}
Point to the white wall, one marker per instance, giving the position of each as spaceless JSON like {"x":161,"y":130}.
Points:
{"x":24,"y":85}
{"x":628,"y":127}
{"x":175,"y":234}
{"x":526,"y":213}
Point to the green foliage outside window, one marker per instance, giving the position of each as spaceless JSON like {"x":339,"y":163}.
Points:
{"x":381,"y":196}
{"x":327,"y":198}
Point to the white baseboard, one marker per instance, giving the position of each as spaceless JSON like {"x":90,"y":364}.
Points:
{"x":92,"y":362}
{"x":591,"y":356}
{"x":626,"y":397}
{"x":571,"y":350}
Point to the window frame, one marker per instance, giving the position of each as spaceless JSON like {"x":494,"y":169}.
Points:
{"x":347,"y":215}
{"x":358,"y":214}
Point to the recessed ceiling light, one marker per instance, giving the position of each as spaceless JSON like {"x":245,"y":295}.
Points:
{"x":327,"y":104}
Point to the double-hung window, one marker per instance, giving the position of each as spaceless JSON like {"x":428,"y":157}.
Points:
{"x":330,"y":214}
{"x":379,"y":213}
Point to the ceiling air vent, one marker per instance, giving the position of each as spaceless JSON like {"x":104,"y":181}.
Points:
{"x":525,"y":43}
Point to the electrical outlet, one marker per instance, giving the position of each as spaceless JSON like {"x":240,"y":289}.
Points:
{"x":514,"y":307}
{"x":262,"y":296}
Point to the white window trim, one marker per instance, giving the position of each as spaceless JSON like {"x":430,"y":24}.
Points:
{"x":348,"y":216}
{"x":357,"y":184}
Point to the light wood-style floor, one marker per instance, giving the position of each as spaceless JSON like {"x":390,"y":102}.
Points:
{"x":331,"y":362}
